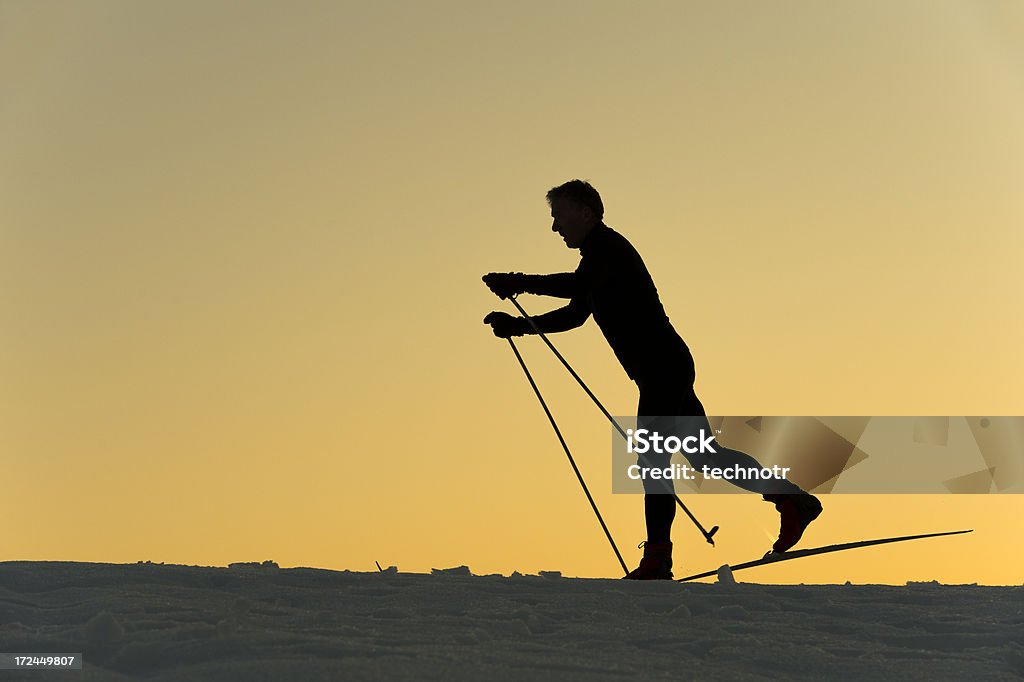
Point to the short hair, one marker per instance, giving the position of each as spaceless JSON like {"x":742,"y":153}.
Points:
{"x":580,"y":191}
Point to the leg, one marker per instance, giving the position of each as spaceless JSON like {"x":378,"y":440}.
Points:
{"x":724,"y":457}
{"x":758,"y":479}
{"x":659,"y":512}
{"x":797,"y":508}
{"x":658,"y":398}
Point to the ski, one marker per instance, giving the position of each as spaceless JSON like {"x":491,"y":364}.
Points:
{"x":800,"y":553}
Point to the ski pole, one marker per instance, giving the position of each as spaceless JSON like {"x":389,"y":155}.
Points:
{"x":709,"y":535}
{"x":568,"y":454}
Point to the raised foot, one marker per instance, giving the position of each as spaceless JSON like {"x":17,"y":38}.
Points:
{"x":796,"y":513}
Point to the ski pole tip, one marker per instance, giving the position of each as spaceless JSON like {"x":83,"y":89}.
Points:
{"x":711,"y":535}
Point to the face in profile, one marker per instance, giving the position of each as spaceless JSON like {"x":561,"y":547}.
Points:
{"x":572,"y":221}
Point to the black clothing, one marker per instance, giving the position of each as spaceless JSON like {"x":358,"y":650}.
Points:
{"x":613,"y":284}
{"x":669,"y":392}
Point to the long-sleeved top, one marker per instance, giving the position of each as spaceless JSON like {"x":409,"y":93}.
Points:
{"x":613,"y":284}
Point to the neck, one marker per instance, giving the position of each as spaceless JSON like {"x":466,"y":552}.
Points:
{"x":590,"y":231}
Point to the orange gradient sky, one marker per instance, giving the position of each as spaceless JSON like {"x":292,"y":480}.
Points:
{"x":241,"y":248}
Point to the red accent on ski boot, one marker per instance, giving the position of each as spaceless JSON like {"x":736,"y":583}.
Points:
{"x":656,"y":564}
{"x":797,"y":512}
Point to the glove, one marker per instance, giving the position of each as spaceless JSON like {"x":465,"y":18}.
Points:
{"x":504,"y":325}
{"x":505,"y":284}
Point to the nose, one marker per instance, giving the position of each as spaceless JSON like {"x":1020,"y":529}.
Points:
{"x":554,"y":226}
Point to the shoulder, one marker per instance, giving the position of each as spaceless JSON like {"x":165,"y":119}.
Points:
{"x":613,"y":242}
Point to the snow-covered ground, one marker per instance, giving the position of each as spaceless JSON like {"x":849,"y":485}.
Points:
{"x":163,"y":622}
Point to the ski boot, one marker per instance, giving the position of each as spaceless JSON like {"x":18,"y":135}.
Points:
{"x":797,"y":512}
{"x":656,"y":564}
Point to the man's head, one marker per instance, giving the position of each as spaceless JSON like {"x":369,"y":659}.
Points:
{"x":576,"y":208}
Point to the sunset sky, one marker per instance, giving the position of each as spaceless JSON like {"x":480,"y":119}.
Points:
{"x":241,"y":248}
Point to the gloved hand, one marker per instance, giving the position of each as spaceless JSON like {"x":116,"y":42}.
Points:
{"x":505,"y":284}
{"x":504,"y":325}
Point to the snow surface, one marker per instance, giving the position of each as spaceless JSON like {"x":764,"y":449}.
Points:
{"x":257,"y":622}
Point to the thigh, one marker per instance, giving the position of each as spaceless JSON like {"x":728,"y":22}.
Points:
{"x":668,"y":405}
{"x":669,"y":394}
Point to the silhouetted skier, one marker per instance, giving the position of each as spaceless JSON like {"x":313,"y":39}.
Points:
{"x":613,"y":284}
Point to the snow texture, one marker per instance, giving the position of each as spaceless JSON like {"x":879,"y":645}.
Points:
{"x":258,"y":622}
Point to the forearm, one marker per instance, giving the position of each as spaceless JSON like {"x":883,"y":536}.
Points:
{"x":561,"y":285}
{"x":560,"y":320}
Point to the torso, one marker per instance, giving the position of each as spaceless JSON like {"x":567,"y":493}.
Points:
{"x":624,"y":302}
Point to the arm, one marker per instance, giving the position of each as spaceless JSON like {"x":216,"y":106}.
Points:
{"x":560,"y":320}
{"x":563,"y":319}
{"x":505,"y":284}
{"x":571,"y":285}
{"x":561,"y":285}
{"x":593,"y":271}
